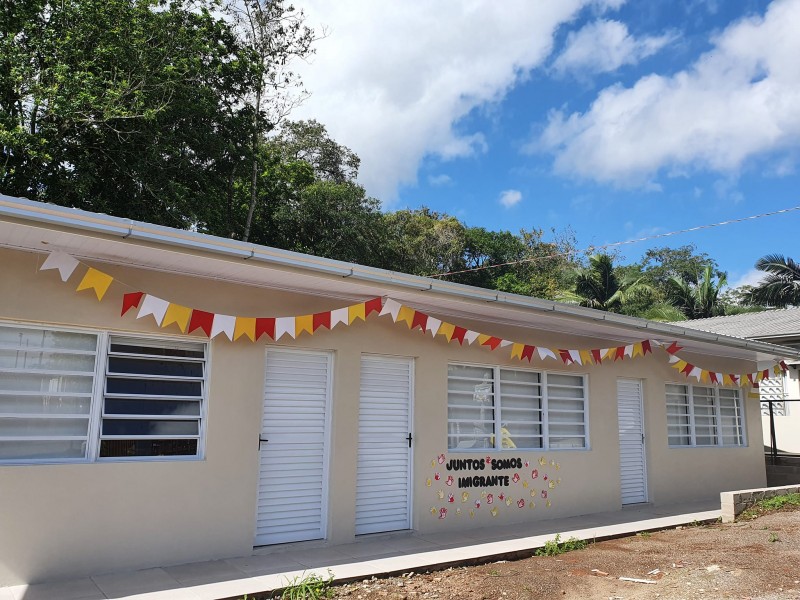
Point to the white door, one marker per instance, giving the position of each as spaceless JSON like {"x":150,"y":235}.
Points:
{"x":293,"y":486}
{"x":384,"y":444}
{"x":633,"y":470}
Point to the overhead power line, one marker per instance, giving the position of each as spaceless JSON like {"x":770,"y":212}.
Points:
{"x":623,"y":243}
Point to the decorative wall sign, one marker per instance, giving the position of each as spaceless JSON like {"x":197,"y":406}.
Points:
{"x":188,"y":320}
{"x":504,"y":483}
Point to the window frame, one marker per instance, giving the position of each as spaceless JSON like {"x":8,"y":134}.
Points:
{"x":545,"y":409}
{"x":97,"y":399}
{"x":717,"y":416}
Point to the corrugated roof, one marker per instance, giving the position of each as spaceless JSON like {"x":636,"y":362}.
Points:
{"x":758,"y":325}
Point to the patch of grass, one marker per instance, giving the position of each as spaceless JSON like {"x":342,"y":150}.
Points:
{"x":773,"y":537}
{"x":555,"y":546}
{"x":644,"y":534}
{"x":768,"y":505}
{"x":308,"y":587}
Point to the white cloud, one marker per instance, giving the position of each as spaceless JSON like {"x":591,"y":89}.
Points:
{"x":740,"y":100}
{"x":509,"y":198}
{"x":604,"y":46}
{"x":440,"y":180}
{"x":751,"y":277}
{"x":391,"y":78}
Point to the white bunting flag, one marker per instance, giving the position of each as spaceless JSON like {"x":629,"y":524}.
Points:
{"x":339,"y":316}
{"x":391,"y":307}
{"x":504,"y":343}
{"x":285,"y":325}
{"x":629,"y":350}
{"x":223,"y":324}
{"x":471,"y":336}
{"x":153,"y":306}
{"x":673,"y":359}
{"x":545,"y":352}
{"x":433,"y":326}
{"x":575,"y":355}
{"x":696,"y":372}
{"x":65,"y":264}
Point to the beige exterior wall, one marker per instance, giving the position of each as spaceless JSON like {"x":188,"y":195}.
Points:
{"x":76,"y":519}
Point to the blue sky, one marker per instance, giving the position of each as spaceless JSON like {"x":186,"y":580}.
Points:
{"x":615,"y":119}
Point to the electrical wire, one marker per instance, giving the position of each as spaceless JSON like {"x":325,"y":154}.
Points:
{"x":623,"y":243}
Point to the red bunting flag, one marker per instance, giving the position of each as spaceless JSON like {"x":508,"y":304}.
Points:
{"x":374,"y":305}
{"x":527,"y":352}
{"x":766,"y":374}
{"x":750,"y":378}
{"x":646,"y":347}
{"x":131,"y":300}
{"x":322,"y":319}
{"x":420,"y":320}
{"x":565,"y":356}
{"x":687,"y":369}
{"x":673,"y":348}
{"x":620,"y":353}
{"x":492,"y":342}
{"x":267,"y":325}
{"x":458,"y":334}
{"x":597,"y":356}
{"x":783,"y":366}
{"x":713,"y":377}
{"x":201,"y":320}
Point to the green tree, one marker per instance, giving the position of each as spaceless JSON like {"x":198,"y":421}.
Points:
{"x":602,"y":286}
{"x":780,"y":286}
{"x":700,"y":299}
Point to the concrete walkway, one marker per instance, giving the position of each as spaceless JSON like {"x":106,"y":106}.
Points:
{"x":272,"y":567}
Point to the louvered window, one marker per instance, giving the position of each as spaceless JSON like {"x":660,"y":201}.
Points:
{"x":704,"y":416}
{"x":493,"y":407}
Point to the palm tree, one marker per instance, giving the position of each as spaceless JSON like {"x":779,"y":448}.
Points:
{"x":781,"y":284}
{"x":698,"y":300}
{"x":600,"y":286}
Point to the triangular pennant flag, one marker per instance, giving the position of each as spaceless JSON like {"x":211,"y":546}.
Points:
{"x":504,"y":343}
{"x":458,"y":334}
{"x":492,"y":342}
{"x":679,"y":365}
{"x":482,"y":337}
{"x":373,"y":305}
{"x":673,"y":348}
{"x":575,"y":355}
{"x":266,"y":326}
{"x":471,"y":336}
{"x":735,"y":378}
{"x":390,"y":307}
{"x":405,"y":315}
{"x":713,"y":377}
{"x":586,"y":357}
{"x":420,"y":320}
{"x":201,"y":320}
{"x":322,"y":319}
{"x":704,"y":376}
{"x":597,"y":356}
{"x":285,"y":325}
{"x":130,"y":300}
{"x":340,"y":315}
{"x":223,"y":324}
{"x":306,"y":323}
{"x":545,"y":353}
{"x":177,"y":314}
{"x":750,"y":377}
{"x":637,"y":350}
{"x":619,"y":353}
{"x":673,"y":359}
{"x":687,"y":369}
{"x":727,"y":380}
{"x":783,"y":365}
{"x":646,"y":347}
{"x":695,"y":372}
{"x":447,"y":330}
{"x":516,"y":350}
{"x":607,"y":352}
{"x":245,"y":326}
{"x":527,"y":352}
{"x":153,"y":306}
{"x":565,"y":356}
{"x":97,"y":281}
{"x":433,"y":326}
{"x":765,"y":374}
{"x":776,"y":369}
{"x":65,"y":264}
{"x":356,"y":311}
{"x":719,"y":377}
{"x":629,"y":350}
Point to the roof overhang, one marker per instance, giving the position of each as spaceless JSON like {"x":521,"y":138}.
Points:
{"x":36,"y":227}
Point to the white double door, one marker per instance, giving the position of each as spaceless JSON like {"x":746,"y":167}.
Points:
{"x":294,"y":446}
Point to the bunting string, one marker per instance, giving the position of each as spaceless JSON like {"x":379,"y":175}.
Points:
{"x":189,"y":320}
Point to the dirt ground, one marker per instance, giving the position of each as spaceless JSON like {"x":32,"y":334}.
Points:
{"x":757,"y":559}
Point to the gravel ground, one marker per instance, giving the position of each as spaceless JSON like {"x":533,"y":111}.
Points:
{"x":757,"y":559}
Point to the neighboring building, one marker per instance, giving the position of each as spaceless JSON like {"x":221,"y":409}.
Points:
{"x":126,"y":443}
{"x":781,"y":326}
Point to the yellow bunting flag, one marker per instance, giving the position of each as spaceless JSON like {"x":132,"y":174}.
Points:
{"x":727,"y":380}
{"x":245,"y":326}
{"x":586,"y":357}
{"x":482,"y":338}
{"x":447,"y":330}
{"x":356,"y":311}
{"x":97,"y":281}
{"x":704,"y":376}
{"x":680,"y":365}
{"x":406,"y":314}
{"x":177,"y":314}
{"x":637,"y":350}
{"x":516,"y":351}
{"x":306,"y":322}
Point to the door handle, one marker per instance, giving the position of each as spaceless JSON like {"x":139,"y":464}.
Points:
{"x":409,"y":438}
{"x":261,"y":439}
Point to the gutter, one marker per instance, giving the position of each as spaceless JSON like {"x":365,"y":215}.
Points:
{"x":28,"y":210}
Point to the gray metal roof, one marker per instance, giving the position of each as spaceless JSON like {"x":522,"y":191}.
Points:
{"x":760,"y":325}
